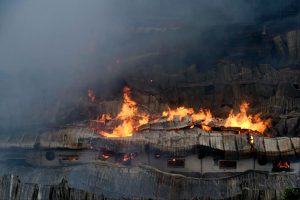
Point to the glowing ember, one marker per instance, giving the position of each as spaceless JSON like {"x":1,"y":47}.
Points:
{"x":251,"y":140}
{"x":126,"y":157}
{"x":104,"y":118}
{"x":91,"y":95}
{"x":245,"y":121}
{"x":283,"y":165}
{"x":130,"y":118}
{"x":105,"y":156}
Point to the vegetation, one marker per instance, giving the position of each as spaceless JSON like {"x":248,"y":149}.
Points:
{"x":291,"y":194}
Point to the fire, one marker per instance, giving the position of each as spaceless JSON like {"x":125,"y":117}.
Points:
{"x":206,"y":128}
{"x":104,"y":118}
{"x":129,"y":116}
{"x":283,"y":165}
{"x":182,"y":112}
{"x":91,"y":95}
{"x":105,"y":156}
{"x":202,"y":115}
{"x":245,"y":121}
{"x":251,"y":139}
{"x":126,"y":157}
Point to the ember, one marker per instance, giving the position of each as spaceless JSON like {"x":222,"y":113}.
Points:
{"x":176,"y":162}
{"x":280,"y":166}
{"x":283,"y":165}
{"x":104,"y":118}
{"x":245,"y":121}
{"x":105,"y":156}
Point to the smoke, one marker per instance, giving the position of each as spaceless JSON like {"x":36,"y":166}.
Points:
{"x":52,"y":51}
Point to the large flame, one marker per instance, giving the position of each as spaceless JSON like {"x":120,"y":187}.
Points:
{"x":129,"y":116}
{"x":245,"y":121}
{"x":181,"y":112}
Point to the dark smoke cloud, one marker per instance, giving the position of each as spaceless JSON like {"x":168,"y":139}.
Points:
{"x":52,"y":51}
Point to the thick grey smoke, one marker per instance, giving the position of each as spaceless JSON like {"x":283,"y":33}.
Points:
{"x":52,"y":51}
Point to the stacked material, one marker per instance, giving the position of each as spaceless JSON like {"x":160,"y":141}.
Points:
{"x":174,"y":141}
{"x":141,"y":182}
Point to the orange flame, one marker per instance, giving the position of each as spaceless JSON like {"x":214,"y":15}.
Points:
{"x":181,"y":112}
{"x":206,"y":128}
{"x":130,"y":117}
{"x":91,"y":95}
{"x":104,"y":118}
{"x":245,"y":121}
{"x":202,"y":115}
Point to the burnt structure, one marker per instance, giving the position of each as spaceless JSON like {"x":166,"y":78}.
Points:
{"x":166,"y":155}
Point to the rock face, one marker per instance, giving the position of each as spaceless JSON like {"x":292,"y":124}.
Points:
{"x":114,"y":182}
{"x":288,"y":45}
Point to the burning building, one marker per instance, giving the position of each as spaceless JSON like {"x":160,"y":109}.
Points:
{"x":176,"y":141}
{"x":210,"y":107}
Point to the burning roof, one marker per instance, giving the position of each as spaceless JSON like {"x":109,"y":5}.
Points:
{"x":130,"y":119}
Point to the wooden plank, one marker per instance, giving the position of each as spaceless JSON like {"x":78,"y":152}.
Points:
{"x":216,"y":141}
{"x":204,"y":140}
{"x":243,"y":146}
{"x":259,"y":144}
{"x":296,"y":144}
{"x":167,"y":125}
{"x":229,"y":143}
{"x":285,"y":146}
{"x":271,"y":147}
{"x":230,"y":149}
